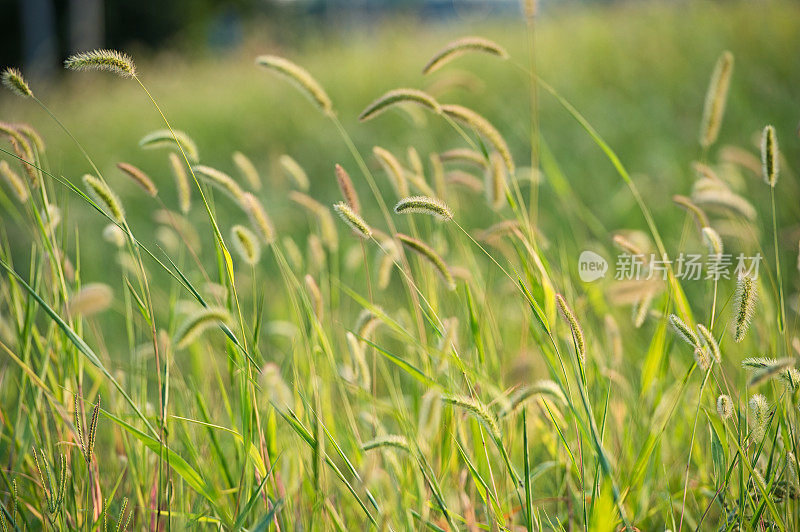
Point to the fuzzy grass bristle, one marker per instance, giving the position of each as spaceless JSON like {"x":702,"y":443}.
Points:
{"x":246,"y":244}
{"x":684,"y":331}
{"x":724,"y":406}
{"x":431,"y":256}
{"x":108,"y":60}
{"x":744,"y":305}
{"x":484,"y":128}
{"x":424,"y":205}
{"x":460,"y":47}
{"x":300,"y":77}
{"x":574,"y":326}
{"x":103,"y":195}
{"x":92,"y":299}
{"x":174,"y":139}
{"x":221,"y":180}
{"x":141,"y":179}
{"x":14,"y":182}
{"x":247,"y":169}
{"x":396,"y":97}
{"x":14,"y":81}
{"x":769,"y":156}
{"x":716,"y":98}
{"x":258,"y":218}
{"x":197,"y":323}
{"x":393,"y":169}
{"x":347,"y":188}
{"x":353,"y":219}
{"x":295,"y":172}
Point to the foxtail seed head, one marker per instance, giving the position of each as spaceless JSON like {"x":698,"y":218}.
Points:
{"x":744,"y":305}
{"x":258,"y":218}
{"x":13,"y":80}
{"x":478,"y":410}
{"x":181,"y":182}
{"x":399,"y":96}
{"x":108,"y":60}
{"x":684,"y":331}
{"x":460,"y":47}
{"x":164,"y":138}
{"x":713,"y":241}
{"x":295,"y":172}
{"x":92,"y":299}
{"x":314,"y":296}
{"x":246,"y":244}
{"x":300,"y":77}
{"x":759,"y":407}
{"x":354,"y":220}
{"x":198,"y":322}
{"x":141,"y":179}
{"x":247,"y":169}
{"x":222,"y":180}
{"x":716,"y":97}
{"x":495,"y":182}
{"x":346,"y":187}
{"x":575,"y":327}
{"x":103,"y":195}
{"x":710,"y":342}
{"x":769,"y":156}
{"x":724,"y":406}
{"x":390,"y":440}
{"x":484,"y":128}
{"x":14,"y":182}
{"x":424,"y":205}
{"x":428,"y":253}
{"x":393,"y":169}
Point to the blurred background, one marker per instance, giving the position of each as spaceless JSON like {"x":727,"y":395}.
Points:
{"x":637,"y":70}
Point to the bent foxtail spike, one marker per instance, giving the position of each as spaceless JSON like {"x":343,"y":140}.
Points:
{"x":164,"y":138}
{"x":182,"y":184}
{"x":460,"y":47}
{"x":107,"y":60}
{"x":258,"y":218}
{"x":353,"y":219}
{"x":141,"y":179}
{"x":713,"y":241}
{"x":390,"y":440}
{"x":424,"y":205}
{"x":393,"y":169}
{"x":478,"y":410}
{"x":716,"y":98}
{"x":198,"y":322}
{"x":14,"y":182}
{"x":399,"y":96}
{"x":575,"y":327}
{"x":710,"y":342}
{"x":769,"y":156}
{"x":484,"y":128}
{"x":247,"y":169}
{"x":103,"y":195}
{"x":246,"y":244}
{"x":700,"y":217}
{"x":428,"y":253}
{"x":684,"y":331}
{"x":295,"y":172}
{"x":300,"y":77}
{"x":13,"y":81}
{"x":222,"y":180}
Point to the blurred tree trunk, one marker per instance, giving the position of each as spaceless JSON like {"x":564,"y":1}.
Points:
{"x":39,"y":41}
{"x":86,"y":25}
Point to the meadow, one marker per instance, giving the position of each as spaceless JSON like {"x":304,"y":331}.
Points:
{"x":259,"y":291}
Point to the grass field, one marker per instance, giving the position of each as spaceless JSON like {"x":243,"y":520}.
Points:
{"x":459,"y":376}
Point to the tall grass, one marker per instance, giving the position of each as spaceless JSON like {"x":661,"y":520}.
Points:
{"x":437,"y":365}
